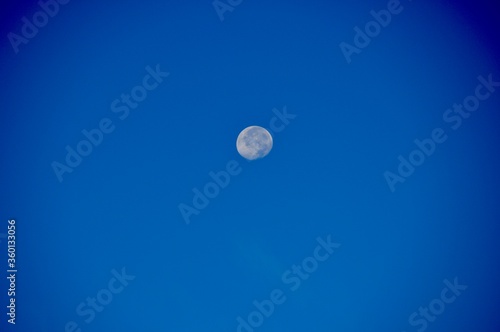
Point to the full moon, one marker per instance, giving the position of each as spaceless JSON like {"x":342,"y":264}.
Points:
{"x":254,"y":142}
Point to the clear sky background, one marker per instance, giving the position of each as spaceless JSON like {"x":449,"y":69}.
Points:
{"x":119,"y":207}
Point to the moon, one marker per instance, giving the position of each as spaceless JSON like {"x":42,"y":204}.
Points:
{"x":254,"y":142}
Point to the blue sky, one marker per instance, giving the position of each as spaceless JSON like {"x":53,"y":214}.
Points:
{"x":323,"y":178}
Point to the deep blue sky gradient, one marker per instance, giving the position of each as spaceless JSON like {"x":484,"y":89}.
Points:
{"x":119,"y":208}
